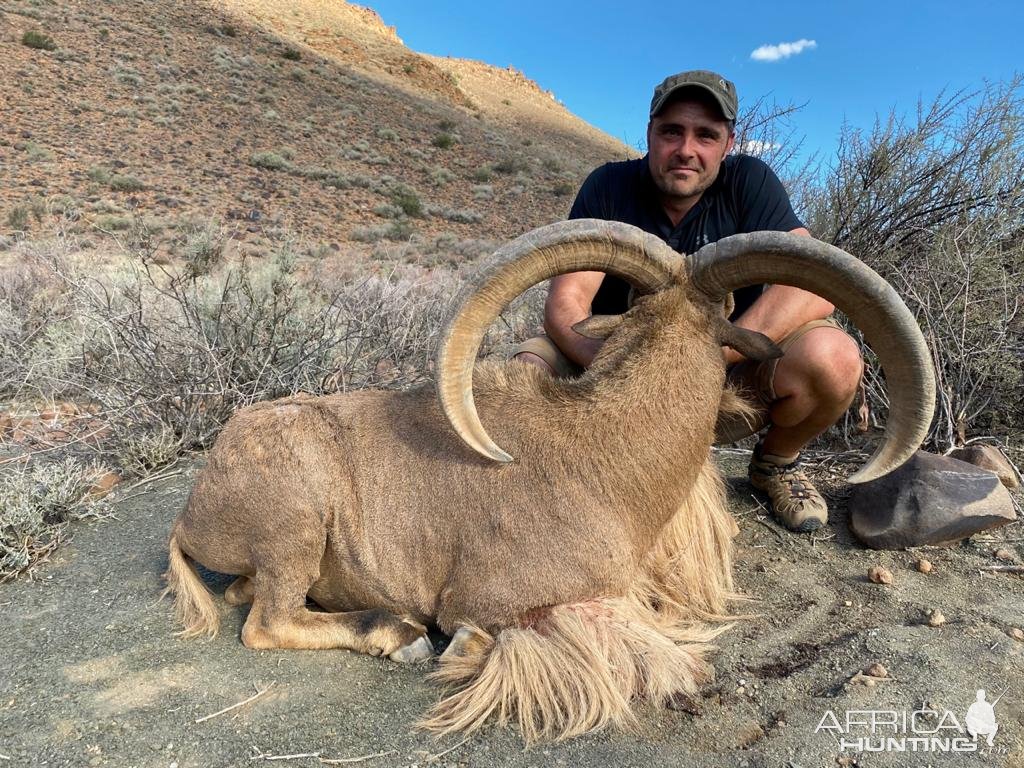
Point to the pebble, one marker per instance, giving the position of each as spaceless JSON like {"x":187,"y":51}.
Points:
{"x":924,"y":566}
{"x":876,"y":670}
{"x":879,"y":575}
{"x":1016,"y":633}
{"x":1003,"y":554}
{"x":748,"y":733}
{"x":935,"y":618}
{"x":847,"y":603}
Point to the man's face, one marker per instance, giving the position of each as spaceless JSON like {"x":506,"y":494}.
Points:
{"x":687,"y":142}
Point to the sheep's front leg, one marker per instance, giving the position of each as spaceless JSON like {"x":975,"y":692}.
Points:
{"x":279,"y":619}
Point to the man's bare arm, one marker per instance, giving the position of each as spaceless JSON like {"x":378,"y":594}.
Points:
{"x":779,"y":311}
{"x":568,"y":302}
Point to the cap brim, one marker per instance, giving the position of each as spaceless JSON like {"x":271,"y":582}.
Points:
{"x":727,"y":111}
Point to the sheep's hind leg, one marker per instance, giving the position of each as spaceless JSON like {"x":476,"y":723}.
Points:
{"x":466,"y":642}
{"x":279,"y":619}
{"x":239,"y":592}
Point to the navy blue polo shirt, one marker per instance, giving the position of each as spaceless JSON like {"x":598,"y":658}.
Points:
{"x":745,"y":197}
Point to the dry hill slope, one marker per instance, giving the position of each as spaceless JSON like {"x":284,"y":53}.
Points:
{"x":272,"y":116}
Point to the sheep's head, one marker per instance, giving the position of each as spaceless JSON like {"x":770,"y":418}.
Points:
{"x":648,"y":264}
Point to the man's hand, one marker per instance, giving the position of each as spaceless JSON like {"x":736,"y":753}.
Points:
{"x":568,"y":303}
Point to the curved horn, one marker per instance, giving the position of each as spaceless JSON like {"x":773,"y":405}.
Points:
{"x":866,"y":298}
{"x":566,"y":246}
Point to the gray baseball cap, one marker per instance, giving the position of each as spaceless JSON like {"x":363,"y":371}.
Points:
{"x":723,"y":90}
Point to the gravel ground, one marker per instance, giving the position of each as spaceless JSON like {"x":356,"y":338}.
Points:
{"x":91,"y":673}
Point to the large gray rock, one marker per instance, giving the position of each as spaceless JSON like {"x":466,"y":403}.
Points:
{"x":929,"y":500}
{"x":991,"y":458}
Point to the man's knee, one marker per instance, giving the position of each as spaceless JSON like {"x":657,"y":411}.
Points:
{"x":826,"y":362}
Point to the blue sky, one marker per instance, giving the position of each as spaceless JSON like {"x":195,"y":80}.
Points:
{"x":603,"y":58}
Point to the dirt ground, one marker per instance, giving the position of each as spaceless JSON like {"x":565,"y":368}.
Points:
{"x":92,"y":675}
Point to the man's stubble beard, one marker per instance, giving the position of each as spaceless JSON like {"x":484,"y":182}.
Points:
{"x":664,"y":186}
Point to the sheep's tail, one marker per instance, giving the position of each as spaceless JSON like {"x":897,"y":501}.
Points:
{"x":575,"y":670}
{"x":193,"y":602}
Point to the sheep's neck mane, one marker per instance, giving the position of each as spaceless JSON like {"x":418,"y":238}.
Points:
{"x":651,"y":398}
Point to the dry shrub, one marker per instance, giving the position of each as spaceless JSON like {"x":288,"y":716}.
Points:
{"x":167,"y":354}
{"x":935,"y":204}
{"x":37,"y":503}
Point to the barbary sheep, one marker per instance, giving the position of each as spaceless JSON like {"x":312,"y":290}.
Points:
{"x":576,"y":571}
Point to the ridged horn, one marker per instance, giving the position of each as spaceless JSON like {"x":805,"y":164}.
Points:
{"x":866,"y":298}
{"x":566,"y":246}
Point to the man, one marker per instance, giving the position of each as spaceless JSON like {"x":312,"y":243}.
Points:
{"x":690,"y":191}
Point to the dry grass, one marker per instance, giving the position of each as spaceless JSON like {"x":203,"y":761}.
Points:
{"x":37,"y":502}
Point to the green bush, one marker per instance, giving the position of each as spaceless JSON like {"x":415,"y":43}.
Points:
{"x":33,"y":38}
{"x":270,"y":160}
{"x":17,"y":218}
{"x":511,"y":165}
{"x":406,"y":198}
{"x":443,"y":141}
{"x":124,"y":183}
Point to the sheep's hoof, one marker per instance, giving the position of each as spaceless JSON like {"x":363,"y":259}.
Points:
{"x":414,"y":652}
{"x":465,"y":642}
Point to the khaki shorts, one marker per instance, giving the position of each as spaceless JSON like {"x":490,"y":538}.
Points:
{"x":750,"y":376}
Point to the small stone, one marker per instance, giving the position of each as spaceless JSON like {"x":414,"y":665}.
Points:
{"x":848,"y":603}
{"x":681,"y":702}
{"x":741,"y":691}
{"x":846,"y":761}
{"x":876,"y":670}
{"x":1016,"y":633}
{"x":935,"y":618}
{"x":102,"y":485}
{"x":879,"y":575}
{"x":748,"y":734}
{"x":1003,"y":554}
{"x":989,"y":458}
{"x":924,"y":566}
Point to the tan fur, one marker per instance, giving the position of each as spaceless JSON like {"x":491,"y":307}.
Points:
{"x":590,"y":560}
{"x":193,"y":602}
{"x":577,"y":670}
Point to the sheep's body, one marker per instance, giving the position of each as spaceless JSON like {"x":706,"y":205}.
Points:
{"x":402,"y":517}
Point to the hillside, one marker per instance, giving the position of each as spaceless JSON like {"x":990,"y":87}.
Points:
{"x":272,"y":118}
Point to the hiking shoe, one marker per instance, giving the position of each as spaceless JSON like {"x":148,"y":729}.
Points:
{"x":795,"y":501}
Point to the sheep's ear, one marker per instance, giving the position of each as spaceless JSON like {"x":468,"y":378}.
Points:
{"x":598,"y":326}
{"x":750,"y":344}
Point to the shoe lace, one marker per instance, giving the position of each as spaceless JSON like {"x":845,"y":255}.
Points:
{"x":799,"y":485}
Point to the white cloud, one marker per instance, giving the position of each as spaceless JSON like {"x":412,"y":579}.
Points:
{"x":757,"y":148}
{"x":782,"y":50}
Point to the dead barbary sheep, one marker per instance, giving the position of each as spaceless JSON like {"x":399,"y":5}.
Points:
{"x":578,"y":575}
